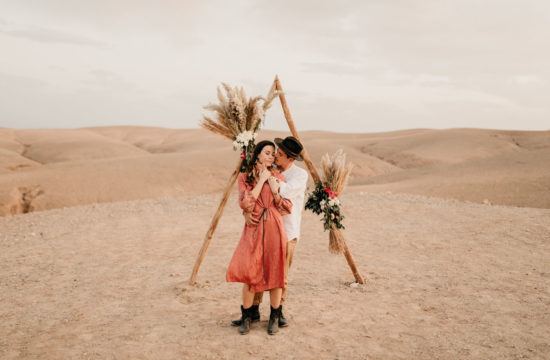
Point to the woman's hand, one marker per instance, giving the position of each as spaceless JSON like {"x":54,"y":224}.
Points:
{"x":264,"y":173}
{"x":274,"y":184}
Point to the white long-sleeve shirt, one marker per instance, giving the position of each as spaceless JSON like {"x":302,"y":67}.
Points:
{"x":294,"y":189}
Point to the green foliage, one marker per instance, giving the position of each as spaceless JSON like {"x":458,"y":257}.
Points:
{"x":247,"y":152}
{"x":323,"y":201}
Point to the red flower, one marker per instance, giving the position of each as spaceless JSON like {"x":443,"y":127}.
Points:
{"x":331,"y":193}
{"x":243,"y":155}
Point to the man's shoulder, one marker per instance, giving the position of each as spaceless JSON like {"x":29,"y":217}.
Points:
{"x":300,"y":171}
{"x":297,"y":172}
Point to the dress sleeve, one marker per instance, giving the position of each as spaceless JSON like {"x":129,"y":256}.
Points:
{"x":284,"y":205}
{"x":246,"y":200}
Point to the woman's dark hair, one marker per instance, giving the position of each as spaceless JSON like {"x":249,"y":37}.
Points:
{"x":257,"y":150}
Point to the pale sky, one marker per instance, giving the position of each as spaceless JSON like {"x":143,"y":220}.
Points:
{"x":346,"y":66}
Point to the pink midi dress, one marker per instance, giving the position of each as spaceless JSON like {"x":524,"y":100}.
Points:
{"x":259,"y":259}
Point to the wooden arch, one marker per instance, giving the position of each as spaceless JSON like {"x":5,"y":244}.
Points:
{"x":314,"y":174}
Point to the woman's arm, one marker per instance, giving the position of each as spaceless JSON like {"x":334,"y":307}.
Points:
{"x":246,"y":201}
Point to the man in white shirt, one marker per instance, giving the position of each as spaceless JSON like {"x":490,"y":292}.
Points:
{"x":288,"y":151}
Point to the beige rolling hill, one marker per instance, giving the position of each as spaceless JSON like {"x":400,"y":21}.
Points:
{"x":51,"y":168}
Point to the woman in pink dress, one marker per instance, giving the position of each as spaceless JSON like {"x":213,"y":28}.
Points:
{"x":259,"y":260}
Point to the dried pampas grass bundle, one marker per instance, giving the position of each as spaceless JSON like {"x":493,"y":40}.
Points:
{"x":238,"y":118}
{"x":336,"y":171}
{"x":235,"y":114}
{"x":335,"y":177}
{"x":336,"y":242}
{"x":324,"y":198}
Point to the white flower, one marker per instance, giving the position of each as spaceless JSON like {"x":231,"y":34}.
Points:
{"x":243,"y":139}
{"x":322,"y":203}
{"x":331,"y":202}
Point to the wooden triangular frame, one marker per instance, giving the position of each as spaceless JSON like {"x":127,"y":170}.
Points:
{"x":312,"y":170}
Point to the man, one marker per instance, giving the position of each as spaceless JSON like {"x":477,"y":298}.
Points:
{"x":288,"y":151}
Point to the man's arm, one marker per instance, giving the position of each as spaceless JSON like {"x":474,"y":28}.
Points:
{"x":250,"y":218}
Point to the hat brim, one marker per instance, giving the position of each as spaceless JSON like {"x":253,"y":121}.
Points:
{"x":279,"y":143}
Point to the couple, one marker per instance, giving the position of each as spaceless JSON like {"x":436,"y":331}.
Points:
{"x":272,"y":202}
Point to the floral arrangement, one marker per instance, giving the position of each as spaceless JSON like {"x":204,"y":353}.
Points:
{"x":324,"y":198}
{"x":238,"y":118}
{"x":246,"y":142}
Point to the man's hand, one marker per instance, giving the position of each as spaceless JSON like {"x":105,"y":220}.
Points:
{"x":250,"y":219}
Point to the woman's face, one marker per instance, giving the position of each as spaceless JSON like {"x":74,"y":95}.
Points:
{"x":266,"y":156}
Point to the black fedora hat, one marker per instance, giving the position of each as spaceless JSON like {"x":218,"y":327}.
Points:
{"x":291,"y":146}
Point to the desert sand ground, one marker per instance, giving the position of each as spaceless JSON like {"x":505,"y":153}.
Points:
{"x":99,"y":267}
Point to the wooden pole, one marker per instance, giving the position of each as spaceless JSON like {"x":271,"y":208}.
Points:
{"x":351,"y":262}
{"x":313,"y":171}
{"x":214,"y":223}
{"x":294,"y":131}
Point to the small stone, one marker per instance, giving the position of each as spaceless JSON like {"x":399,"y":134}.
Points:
{"x":353,"y":285}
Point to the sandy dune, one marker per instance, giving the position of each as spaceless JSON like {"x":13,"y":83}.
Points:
{"x":46,"y":169}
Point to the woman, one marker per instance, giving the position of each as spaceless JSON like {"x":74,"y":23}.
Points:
{"x":259,"y":260}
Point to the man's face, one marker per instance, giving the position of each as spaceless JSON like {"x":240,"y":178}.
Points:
{"x":280,"y":158}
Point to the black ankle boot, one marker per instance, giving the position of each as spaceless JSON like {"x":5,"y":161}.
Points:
{"x":255,"y":310}
{"x":283,"y":322}
{"x":273,"y":325}
{"x":244,"y":328}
